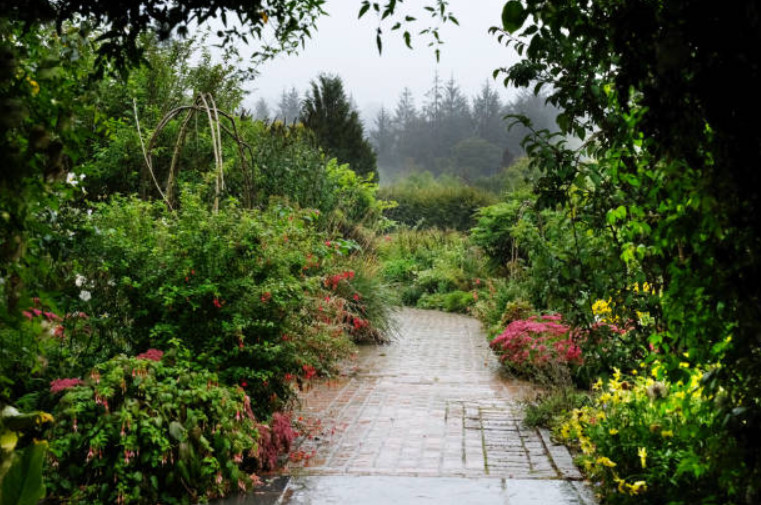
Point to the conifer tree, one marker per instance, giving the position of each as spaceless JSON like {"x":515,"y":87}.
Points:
{"x":336,"y":125}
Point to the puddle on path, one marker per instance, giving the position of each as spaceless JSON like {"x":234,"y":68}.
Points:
{"x":380,"y":490}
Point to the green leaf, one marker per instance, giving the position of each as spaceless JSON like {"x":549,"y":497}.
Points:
{"x":563,"y":122}
{"x":22,"y":484}
{"x":365,"y":7}
{"x":513,"y":16}
{"x":407,"y":39}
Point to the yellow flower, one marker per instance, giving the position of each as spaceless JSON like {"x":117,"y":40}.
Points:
{"x":597,"y":385}
{"x":34,"y":85}
{"x":601,"y":307}
{"x":638,"y":486}
{"x":667,"y":433}
{"x":602,"y":460}
{"x":642,"y":453}
{"x":264,"y":16}
{"x":613,"y":431}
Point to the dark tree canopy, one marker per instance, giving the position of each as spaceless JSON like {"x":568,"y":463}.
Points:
{"x":121,"y":23}
{"x":669,"y":92}
{"x":337,"y":127}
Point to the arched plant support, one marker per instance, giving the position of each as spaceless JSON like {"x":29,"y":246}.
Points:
{"x":204,"y":103}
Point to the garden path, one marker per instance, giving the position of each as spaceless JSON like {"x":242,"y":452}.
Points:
{"x":426,"y":419}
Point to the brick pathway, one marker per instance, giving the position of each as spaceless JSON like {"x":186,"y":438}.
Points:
{"x":432,"y":404}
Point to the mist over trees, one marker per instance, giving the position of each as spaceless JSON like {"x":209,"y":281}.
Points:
{"x":444,"y":133}
{"x":452,"y":134}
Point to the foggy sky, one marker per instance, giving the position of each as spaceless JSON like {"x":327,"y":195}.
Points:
{"x":345,"y":45}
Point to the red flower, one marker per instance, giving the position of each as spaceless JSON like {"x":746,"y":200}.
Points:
{"x":27,"y":315}
{"x":356,"y":297}
{"x":217,"y":304}
{"x":327,"y":243}
{"x":309,"y":371}
{"x":243,"y":384}
{"x":266,"y":297}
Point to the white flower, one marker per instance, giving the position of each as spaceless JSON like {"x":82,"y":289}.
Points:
{"x":71,"y":178}
{"x":85,"y":295}
{"x":79,"y":280}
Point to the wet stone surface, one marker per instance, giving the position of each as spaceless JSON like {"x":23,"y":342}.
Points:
{"x":426,"y":419}
{"x":432,"y":404}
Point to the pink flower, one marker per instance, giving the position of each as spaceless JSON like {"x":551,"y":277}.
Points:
{"x":27,"y":315}
{"x":266,"y":297}
{"x":151,"y":355}
{"x":58,"y":385}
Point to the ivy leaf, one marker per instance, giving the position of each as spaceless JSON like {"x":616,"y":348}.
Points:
{"x":513,"y":16}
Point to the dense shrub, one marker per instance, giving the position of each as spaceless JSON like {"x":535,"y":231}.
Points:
{"x":240,"y":289}
{"x":434,"y":269}
{"x":149,"y":429}
{"x":425,"y":202}
{"x":538,"y":347}
{"x":647,"y":439}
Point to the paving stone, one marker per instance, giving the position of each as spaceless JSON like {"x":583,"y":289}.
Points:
{"x":431,"y":404}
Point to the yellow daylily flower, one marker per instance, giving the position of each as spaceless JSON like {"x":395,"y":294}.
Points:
{"x":642,"y":453}
{"x":604,"y":461}
{"x":637,"y":487}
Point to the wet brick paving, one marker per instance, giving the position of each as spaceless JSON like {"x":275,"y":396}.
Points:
{"x":431,"y":404}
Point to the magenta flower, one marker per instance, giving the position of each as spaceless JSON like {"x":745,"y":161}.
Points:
{"x":58,"y":385}
{"x":151,"y":354}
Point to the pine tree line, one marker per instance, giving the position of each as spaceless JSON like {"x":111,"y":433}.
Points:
{"x":450,"y":134}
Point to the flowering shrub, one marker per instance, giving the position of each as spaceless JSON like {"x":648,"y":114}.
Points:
{"x":140,"y":430}
{"x":240,"y":289}
{"x":536,"y":345}
{"x":649,"y":440}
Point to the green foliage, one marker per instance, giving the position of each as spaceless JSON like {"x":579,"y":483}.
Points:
{"x":144,"y":430}
{"x":552,"y":408}
{"x":434,"y":269}
{"x":648,"y":439}
{"x":22,"y":482}
{"x":237,"y":288}
{"x":426,"y":202}
{"x":666,"y":178}
{"x":21,"y":456}
{"x":451,"y":301}
{"x":291,"y":23}
{"x":494,"y":230}
{"x":337,"y":128}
